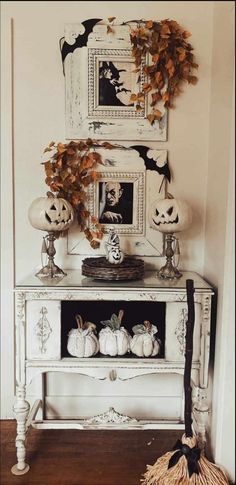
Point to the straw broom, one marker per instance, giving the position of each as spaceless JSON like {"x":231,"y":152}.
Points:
{"x":186,"y":463}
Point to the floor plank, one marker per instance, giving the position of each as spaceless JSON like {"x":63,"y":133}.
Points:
{"x":74,"y":457}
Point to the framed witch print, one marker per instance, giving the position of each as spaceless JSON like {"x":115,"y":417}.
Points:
{"x":101,"y":84}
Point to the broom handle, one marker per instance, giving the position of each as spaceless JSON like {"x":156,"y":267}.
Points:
{"x":188,"y":359}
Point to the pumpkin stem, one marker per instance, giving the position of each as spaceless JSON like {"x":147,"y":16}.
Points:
{"x":147,"y":325}
{"x":50,"y":194}
{"x":90,"y":325}
{"x":79,"y":321}
{"x":120,"y":315}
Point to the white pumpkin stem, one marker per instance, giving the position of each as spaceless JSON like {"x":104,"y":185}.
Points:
{"x":120,"y":315}
{"x":147,"y":325}
{"x":79,"y":321}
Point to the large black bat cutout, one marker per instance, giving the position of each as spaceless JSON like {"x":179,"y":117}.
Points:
{"x":150,"y":163}
{"x":81,"y":39}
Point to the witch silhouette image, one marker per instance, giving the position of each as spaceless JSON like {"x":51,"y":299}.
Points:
{"x":110,"y":86}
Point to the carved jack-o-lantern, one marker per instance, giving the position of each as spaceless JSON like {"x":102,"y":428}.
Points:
{"x":170,"y":215}
{"x":115,"y":255}
{"x":51,"y":214}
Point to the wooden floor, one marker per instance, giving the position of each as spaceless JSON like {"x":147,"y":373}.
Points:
{"x":71,"y":457}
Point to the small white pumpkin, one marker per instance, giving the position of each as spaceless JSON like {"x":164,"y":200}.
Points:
{"x":170,"y":215}
{"x":114,"y":339}
{"x":81,"y":341}
{"x":115,"y":255}
{"x":51,"y":213}
{"x":143,"y":343}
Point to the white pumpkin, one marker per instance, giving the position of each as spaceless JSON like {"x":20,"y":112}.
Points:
{"x":51,"y":214}
{"x":143,"y":343}
{"x":81,"y":341}
{"x":114,"y":339}
{"x":115,"y":255}
{"x":170,"y":215}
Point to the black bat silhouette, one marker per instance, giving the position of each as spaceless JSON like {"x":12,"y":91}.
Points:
{"x":81,"y":39}
{"x":150,"y":163}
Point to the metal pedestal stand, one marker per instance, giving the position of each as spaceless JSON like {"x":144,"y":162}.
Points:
{"x":51,"y":270}
{"x":169,"y":271}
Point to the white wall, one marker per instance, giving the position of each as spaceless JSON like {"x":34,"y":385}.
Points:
{"x":39,"y":110}
{"x":37,"y":116}
{"x":219,"y":239}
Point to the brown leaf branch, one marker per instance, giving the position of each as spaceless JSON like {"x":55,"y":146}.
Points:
{"x":69,"y":171}
{"x":172,"y":63}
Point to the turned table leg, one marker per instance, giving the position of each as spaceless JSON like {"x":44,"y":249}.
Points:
{"x":21,"y":410}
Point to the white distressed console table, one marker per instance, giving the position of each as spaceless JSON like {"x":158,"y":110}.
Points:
{"x":38,"y":331}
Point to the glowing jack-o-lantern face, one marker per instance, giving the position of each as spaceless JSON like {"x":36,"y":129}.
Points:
{"x":170,"y":215}
{"x":51,"y":214}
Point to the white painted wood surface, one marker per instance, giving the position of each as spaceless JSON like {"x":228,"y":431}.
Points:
{"x":106,"y":383}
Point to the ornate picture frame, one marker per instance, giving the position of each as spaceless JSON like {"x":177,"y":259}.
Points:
{"x":141,"y":185}
{"x":99,"y":79}
{"x":118,"y":200}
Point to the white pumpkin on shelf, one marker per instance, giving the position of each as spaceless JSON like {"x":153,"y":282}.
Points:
{"x":144,"y":343}
{"x":114,"y":339}
{"x":82,"y":342}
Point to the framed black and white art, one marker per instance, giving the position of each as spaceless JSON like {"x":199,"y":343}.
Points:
{"x":100,"y":77}
{"x":130,"y":179}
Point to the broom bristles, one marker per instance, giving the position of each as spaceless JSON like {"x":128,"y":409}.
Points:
{"x":160,"y":474}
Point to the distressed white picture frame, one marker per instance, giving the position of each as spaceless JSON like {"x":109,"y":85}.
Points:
{"x":139,"y":238}
{"x":137,"y":179}
{"x":85,"y":116}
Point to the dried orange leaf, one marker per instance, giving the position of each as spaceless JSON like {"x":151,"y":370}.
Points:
{"x":88,"y":234}
{"x":166,"y":96}
{"x":155,"y":58}
{"x":110,"y":19}
{"x":151,"y":118}
{"x":186,"y":34}
{"x":149,"y":24}
{"x":133,"y":97}
{"x":138,"y":107}
{"x":157,"y":113}
{"x":95,"y":244}
{"x":108,"y":145}
{"x":192,"y":80}
{"x":109,"y":30}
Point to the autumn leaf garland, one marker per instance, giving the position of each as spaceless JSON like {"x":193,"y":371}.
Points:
{"x":172,"y":63}
{"x":70,"y":169}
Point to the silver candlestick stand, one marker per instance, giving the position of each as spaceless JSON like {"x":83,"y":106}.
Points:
{"x":51,"y":270}
{"x":169,"y":271}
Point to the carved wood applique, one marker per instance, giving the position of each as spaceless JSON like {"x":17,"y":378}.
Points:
{"x":111,"y":417}
{"x":43,"y":330}
{"x":180,"y":330}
